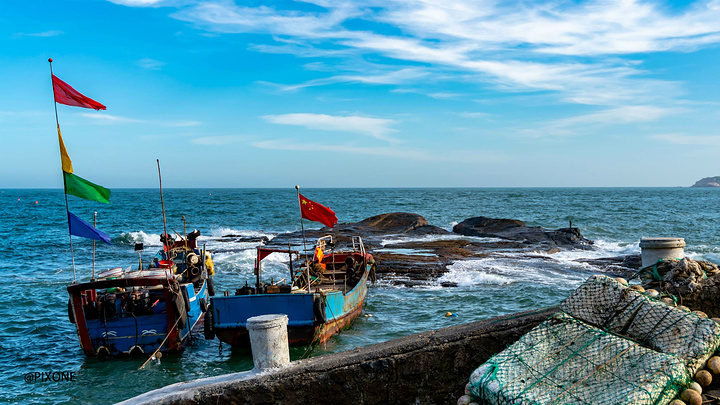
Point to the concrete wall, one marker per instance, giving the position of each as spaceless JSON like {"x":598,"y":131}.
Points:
{"x":426,"y":368}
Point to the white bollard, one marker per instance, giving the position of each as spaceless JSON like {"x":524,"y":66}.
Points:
{"x":654,"y":249}
{"x":269,"y":341}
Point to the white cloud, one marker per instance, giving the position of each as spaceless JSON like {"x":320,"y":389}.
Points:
{"x":375,"y":127}
{"x":456,"y":157}
{"x":400,"y":76}
{"x":150,"y":64}
{"x":620,"y":116}
{"x":138,"y":3}
{"x":684,"y":139}
{"x":219,"y":140}
{"x":575,"y":49}
{"x":44,"y":34}
{"x":107,"y":119}
{"x":474,"y":114}
{"x":625,"y":115}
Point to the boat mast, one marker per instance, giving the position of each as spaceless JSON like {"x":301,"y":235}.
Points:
{"x":162,"y":203}
{"x":302,"y":228}
{"x":95,"y":225}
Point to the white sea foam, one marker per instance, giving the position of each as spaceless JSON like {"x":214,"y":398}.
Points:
{"x":240,"y":265}
{"x":507,"y":269}
{"x":224,"y":231}
{"x":602,"y":249}
{"x":150,"y":239}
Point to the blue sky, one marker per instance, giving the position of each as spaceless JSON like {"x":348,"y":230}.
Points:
{"x":457,"y":93}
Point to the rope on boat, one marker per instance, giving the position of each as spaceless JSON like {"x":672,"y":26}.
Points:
{"x":161,"y":344}
{"x":314,"y":343}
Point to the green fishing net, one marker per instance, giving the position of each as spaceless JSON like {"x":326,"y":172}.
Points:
{"x":603,"y":302}
{"x":566,"y":361}
{"x":611,"y":345}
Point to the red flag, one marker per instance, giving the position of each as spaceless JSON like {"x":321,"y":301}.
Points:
{"x":317,"y":212}
{"x":65,"y":94}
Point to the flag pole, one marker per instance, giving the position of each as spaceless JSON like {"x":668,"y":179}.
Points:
{"x":67,"y":208}
{"x":302,"y":227}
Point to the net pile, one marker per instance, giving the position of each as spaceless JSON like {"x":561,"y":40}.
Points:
{"x":611,"y":345}
{"x":603,"y":302}
{"x":566,"y":361}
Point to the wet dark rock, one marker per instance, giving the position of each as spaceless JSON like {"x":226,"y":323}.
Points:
{"x":373,"y":230}
{"x":406,"y":257}
{"x":514,"y":229}
{"x":395,"y":222}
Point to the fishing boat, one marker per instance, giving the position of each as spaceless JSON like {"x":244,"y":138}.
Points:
{"x":156,"y":308}
{"x":316,"y":310}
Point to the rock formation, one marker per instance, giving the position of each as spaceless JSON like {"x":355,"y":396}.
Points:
{"x":513,"y":229}
{"x":708,"y":182}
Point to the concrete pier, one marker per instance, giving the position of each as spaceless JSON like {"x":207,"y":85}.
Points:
{"x":426,"y":368}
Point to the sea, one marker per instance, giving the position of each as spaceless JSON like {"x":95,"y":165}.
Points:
{"x":37,"y":337}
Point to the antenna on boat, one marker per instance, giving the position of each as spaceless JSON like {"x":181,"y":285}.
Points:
{"x":184,"y":232}
{"x":162,"y":202}
{"x":302,"y":227}
{"x":292,"y":273}
{"x":95,"y":225}
{"x":139,"y":248}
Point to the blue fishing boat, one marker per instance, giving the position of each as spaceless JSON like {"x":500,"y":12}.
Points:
{"x":145,"y":310}
{"x":316,"y":310}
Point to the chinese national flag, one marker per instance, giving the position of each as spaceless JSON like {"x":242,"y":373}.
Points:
{"x":317,"y":212}
{"x":65,"y":94}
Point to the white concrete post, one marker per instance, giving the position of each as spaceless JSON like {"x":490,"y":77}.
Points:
{"x":269,"y":341}
{"x":654,"y":249}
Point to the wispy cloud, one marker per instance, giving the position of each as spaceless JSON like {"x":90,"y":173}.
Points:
{"x":473,"y":114}
{"x":579,"y":124}
{"x":684,"y":139}
{"x":619,"y":116}
{"x":107,"y":119}
{"x":44,"y":34}
{"x":400,"y":76}
{"x":378,"y":128}
{"x":140,"y":3}
{"x":457,"y":157}
{"x":564,"y":47}
{"x":110,"y":119}
{"x":219,"y":140}
{"x":150,"y":64}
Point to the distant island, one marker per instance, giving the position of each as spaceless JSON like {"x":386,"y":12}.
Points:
{"x":708,"y":182}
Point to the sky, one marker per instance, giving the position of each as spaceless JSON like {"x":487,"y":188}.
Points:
{"x":392,"y":93}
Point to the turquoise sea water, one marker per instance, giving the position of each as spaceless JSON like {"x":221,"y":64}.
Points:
{"x":36,"y":336}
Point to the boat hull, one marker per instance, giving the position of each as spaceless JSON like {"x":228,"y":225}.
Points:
{"x":309,"y":321}
{"x":129,"y":334}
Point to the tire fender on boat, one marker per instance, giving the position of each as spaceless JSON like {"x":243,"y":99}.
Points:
{"x":186,"y":297}
{"x":208,"y":324}
{"x":210,"y":287}
{"x":70,"y":311}
{"x":178,"y":300}
{"x":319,"y":310}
